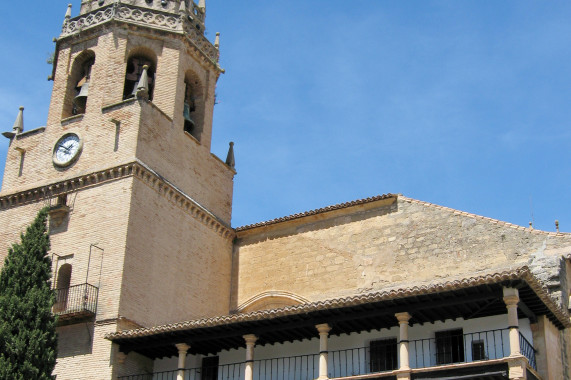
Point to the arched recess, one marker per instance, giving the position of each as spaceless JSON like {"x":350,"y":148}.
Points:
{"x":78,"y":81}
{"x":271,"y":300}
{"x":136,"y":59}
{"x":63,"y":282}
{"x":193,"y":107}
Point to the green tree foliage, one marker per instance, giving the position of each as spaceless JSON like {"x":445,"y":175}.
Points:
{"x":28,"y":339}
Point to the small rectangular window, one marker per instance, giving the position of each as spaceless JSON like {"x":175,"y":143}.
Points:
{"x":449,"y":346}
{"x":383,"y":355}
{"x":209,"y":368}
{"x":478,"y":350}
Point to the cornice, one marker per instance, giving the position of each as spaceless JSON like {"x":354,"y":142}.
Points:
{"x":184,"y":202}
{"x":135,"y":169}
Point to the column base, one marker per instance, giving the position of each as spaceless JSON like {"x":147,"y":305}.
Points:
{"x":403,"y":374}
{"x":517,"y":367}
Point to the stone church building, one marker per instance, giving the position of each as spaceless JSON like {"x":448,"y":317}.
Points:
{"x":153,"y":282}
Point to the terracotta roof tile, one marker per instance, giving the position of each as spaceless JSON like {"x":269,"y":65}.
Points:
{"x":485,"y":278}
{"x":317,"y":211}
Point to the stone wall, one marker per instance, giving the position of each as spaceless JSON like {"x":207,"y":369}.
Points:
{"x":403,"y":244}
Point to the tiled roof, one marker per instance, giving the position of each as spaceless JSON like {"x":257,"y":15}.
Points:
{"x":522,"y":273}
{"x":400,"y":197}
{"x":317,"y":211}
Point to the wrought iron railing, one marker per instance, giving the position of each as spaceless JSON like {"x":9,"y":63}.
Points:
{"x":459,"y":348}
{"x":380,"y":356}
{"x":234,"y":371}
{"x":528,"y":351}
{"x":77,"y":299}
{"x":300,"y":367}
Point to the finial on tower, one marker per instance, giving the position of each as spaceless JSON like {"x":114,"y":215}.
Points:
{"x":557,"y":225}
{"x":143,"y":85}
{"x":217,"y":40}
{"x":18,"y":126}
{"x":68,"y":13}
{"x":230,"y":157}
{"x":202,"y":5}
{"x":182,"y":8}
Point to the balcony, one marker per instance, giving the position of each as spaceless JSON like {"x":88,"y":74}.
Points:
{"x":481,"y":354}
{"x":75,"y":303}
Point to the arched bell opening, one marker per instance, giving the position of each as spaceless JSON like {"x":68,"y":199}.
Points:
{"x":193,"y":106}
{"x":75,"y":101}
{"x":139,"y":61}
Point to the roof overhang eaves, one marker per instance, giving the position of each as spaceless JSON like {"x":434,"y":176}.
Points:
{"x":305,"y":316}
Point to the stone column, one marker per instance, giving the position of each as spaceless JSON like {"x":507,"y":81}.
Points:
{"x":182,"y":350}
{"x":250,"y":343}
{"x":323,"y":329}
{"x":403,"y":319}
{"x":511,"y":299}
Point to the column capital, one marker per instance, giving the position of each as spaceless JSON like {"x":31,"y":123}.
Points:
{"x":250,"y":338}
{"x":403,"y":317}
{"x":182,"y":347}
{"x":323,"y":328}
{"x":510,"y":292}
{"x":121,"y":356}
{"x":511,"y":301}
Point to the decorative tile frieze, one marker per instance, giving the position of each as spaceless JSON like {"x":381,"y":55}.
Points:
{"x":153,"y":18}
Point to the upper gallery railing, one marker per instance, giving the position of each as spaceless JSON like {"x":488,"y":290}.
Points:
{"x":441,"y":350}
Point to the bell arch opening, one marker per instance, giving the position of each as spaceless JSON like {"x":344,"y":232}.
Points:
{"x":193,"y":105}
{"x":137,"y":60}
{"x":77,"y":92}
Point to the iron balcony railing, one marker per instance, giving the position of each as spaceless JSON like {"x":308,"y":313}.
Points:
{"x":380,"y":356}
{"x":528,"y":351}
{"x":300,"y":367}
{"x":222,"y":372}
{"x":76,"y":300}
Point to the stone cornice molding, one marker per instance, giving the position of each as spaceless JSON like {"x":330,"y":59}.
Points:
{"x":46,"y":192}
{"x":145,"y":17}
{"x":135,"y":169}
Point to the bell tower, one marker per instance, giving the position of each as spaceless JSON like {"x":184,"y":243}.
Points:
{"x":140,"y":209}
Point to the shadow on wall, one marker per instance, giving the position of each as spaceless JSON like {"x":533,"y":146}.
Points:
{"x":75,"y":339}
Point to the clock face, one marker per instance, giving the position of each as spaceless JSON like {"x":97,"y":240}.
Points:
{"x":67,"y":149}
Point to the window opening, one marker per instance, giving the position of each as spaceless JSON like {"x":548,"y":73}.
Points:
{"x":82,"y":88}
{"x":449,"y":346}
{"x":383,"y":355}
{"x":209,"y":368}
{"x":134,"y":71}
{"x":62,"y":200}
{"x":478,"y":350}
{"x":62,"y":287}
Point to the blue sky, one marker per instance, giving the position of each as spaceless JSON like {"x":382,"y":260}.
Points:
{"x":461,"y":103}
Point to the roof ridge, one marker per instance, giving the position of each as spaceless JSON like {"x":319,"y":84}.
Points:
{"x":299,"y":215}
{"x":476,"y":216}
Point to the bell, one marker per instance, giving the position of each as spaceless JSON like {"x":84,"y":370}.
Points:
{"x":186,"y":115}
{"x":81,"y":99}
